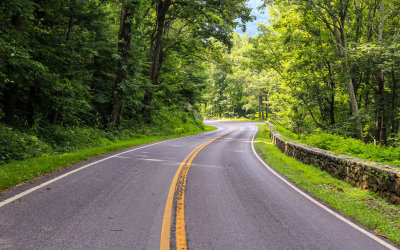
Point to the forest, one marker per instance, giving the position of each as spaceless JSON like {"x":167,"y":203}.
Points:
{"x":82,"y":72}
{"x":317,"y":66}
{"x":106,"y":87}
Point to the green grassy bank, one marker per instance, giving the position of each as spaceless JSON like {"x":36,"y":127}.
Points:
{"x":346,"y":146}
{"x":16,"y":172}
{"x":363,"y":206}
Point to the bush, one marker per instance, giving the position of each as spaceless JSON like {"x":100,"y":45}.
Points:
{"x":15,"y":145}
{"x":67,"y":139}
{"x":46,"y":139}
{"x":175,"y":121}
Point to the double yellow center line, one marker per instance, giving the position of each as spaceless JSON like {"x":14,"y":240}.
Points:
{"x":178,"y":187}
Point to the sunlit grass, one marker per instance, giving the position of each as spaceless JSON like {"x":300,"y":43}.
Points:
{"x":346,"y":146}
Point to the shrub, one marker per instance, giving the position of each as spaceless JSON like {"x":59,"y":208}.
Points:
{"x":66,"y":139}
{"x":174,"y":120}
{"x":15,"y":145}
{"x":45,"y":139}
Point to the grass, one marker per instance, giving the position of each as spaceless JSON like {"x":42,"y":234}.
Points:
{"x":17,"y":172}
{"x":346,"y":146}
{"x":363,"y":206}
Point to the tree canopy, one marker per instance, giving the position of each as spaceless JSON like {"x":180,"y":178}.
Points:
{"x":100,"y":63}
{"x":332,"y":66}
{"x":318,"y":65}
{"x":73,"y":70}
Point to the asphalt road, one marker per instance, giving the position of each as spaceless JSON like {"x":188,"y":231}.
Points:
{"x":231,"y":201}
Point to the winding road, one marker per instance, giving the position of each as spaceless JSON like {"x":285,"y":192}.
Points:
{"x":206,"y":191}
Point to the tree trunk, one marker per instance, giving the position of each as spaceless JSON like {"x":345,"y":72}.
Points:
{"x":16,"y":20}
{"x":332,"y":97}
{"x":34,"y":102}
{"x":351,"y":92}
{"x":380,"y":109}
{"x":156,"y":54}
{"x":11,"y":89}
{"x":380,"y":133}
{"x":69,"y":29}
{"x":10,"y":100}
{"x":394,"y":97}
{"x":260,"y":109}
{"x":124,"y":45}
{"x":332,"y":110}
{"x":266,"y":107}
{"x":315,"y":120}
{"x":350,"y":88}
{"x":157,"y":40}
{"x":337,"y":28}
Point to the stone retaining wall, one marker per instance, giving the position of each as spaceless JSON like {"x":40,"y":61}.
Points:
{"x":380,"y":178}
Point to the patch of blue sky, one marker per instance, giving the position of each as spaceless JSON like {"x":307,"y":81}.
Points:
{"x":261,"y":16}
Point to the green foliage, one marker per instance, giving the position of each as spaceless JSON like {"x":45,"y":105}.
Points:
{"x":346,"y":146}
{"x":65,"y":63}
{"x":287,"y":133}
{"x":174,"y":120}
{"x":67,"y":81}
{"x":234,"y":88}
{"x":15,"y":145}
{"x":56,"y":139}
{"x":307,"y":65}
{"x":67,"y":139}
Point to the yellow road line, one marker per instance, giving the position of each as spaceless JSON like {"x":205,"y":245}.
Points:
{"x":166,"y":225}
{"x":180,"y":230}
{"x":181,"y":175}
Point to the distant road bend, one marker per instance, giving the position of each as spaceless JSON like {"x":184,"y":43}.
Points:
{"x":207,"y":191}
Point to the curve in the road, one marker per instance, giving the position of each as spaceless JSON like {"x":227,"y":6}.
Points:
{"x":348,"y":222}
{"x":232,"y":200}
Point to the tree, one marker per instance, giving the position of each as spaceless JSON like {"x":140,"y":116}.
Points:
{"x":201,"y":20}
{"x":124,"y":50}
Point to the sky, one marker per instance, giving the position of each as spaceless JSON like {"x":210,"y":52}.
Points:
{"x":251,"y":27}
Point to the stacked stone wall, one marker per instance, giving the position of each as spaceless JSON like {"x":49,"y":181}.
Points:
{"x":382,"y":179}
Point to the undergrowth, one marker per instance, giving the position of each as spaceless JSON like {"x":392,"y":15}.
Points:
{"x":51,"y":139}
{"x":346,"y":146}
